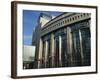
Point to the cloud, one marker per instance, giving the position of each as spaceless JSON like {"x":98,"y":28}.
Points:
{"x":27,"y":37}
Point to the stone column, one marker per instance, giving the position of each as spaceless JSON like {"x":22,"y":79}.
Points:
{"x":54,"y":53}
{"x":40,"y":53}
{"x":82,"y":57}
{"x":46,"y":52}
{"x":69,"y":46}
{"x":60,"y":47}
{"x":52,"y":49}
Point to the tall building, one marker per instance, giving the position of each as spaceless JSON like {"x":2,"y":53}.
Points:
{"x":63,"y":41}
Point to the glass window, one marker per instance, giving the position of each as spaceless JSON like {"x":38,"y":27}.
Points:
{"x":64,"y":54}
{"x":57,"y":52}
{"x":81,"y":47}
{"x":76,"y":48}
{"x":49,"y":55}
{"x":86,"y":45}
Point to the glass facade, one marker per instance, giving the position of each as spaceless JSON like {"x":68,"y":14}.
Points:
{"x":43,"y":55}
{"x":56,"y":54}
{"x":64,"y":54}
{"x":76,"y":48}
{"x":48,"y":55}
{"x":81,"y":45}
{"x":86,"y":45}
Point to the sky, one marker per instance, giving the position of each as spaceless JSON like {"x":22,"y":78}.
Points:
{"x":30,"y":19}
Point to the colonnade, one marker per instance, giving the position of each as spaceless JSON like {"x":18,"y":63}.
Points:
{"x":51,"y":52}
{"x":55,"y":60}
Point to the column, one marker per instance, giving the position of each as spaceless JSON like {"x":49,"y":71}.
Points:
{"x":52,"y":49}
{"x":40,"y":53}
{"x":54,"y":53}
{"x":82,"y":57}
{"x":46,"y":52}
{"x":69,"y":46}
{"x":60,"y":41}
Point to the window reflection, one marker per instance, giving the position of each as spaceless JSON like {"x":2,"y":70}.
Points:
{"x":86,"y":45}
{"x":81,"y":54}
{"x":64,"y":50}
{"x":49,"y":55}
{"x":57,"y":52}
{"x":76,"y":48}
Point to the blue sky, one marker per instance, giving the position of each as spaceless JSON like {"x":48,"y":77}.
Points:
{"x":30,"y":19}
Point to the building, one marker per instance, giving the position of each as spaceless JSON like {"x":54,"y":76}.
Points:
{"x":63,"y":41}
{"x":28,"y":57}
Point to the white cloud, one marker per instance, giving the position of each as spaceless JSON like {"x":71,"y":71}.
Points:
{"x":27,"y":37}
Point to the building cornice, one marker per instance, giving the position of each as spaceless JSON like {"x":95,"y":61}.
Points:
{"x":63,"y":20}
